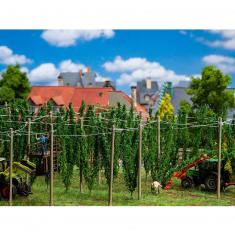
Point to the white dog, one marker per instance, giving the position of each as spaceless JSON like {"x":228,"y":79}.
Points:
{"x":155,"y":187}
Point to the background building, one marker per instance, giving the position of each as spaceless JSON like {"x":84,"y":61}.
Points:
{"x":148,"y":93}
{"x":62,"y":96}
{"x":82,"y":79}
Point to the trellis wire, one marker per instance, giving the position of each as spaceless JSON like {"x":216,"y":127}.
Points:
{"x":119,"y":129}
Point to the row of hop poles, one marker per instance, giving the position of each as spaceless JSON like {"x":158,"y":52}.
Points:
{"x":51,"y":198}
{"x":51,"y":201}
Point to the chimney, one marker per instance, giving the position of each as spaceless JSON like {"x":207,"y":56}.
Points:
{"x":60,"y":81}
{"x":107,"y":83}
{"x":148,"y":83}
{"x":133,"y":95}
{"x":80,"y":72}
{"x":88,"y":70}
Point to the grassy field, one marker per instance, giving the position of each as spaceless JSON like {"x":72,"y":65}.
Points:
{"x":99,"y":196}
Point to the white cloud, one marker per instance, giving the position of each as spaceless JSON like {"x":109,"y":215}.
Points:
{"x":47,"y":73}
{"x":69,"y":66}
{"x":100,"y":78}
{"x":120,"y":65}
{"x":8,"y":57}
{"x":136,"y":69}
{"x":226,"y":38}
{"x":225,"y":63}
{"x":44,"y":74}
{"x":216,"y":59}
{"x":24,"y":70}
{"x":66,"y":38}
{"x":226,"y":41}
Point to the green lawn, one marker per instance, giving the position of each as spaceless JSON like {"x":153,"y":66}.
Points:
{"x":99,"y":195}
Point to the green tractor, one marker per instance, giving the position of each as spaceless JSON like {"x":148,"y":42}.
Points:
{"x":20,"y":178}
{"x":205,"y":173}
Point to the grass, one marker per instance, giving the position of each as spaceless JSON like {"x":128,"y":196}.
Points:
{"x":99,"y":195}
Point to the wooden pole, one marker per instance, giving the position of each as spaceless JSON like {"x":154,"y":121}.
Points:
{"x":99,"y":171}
{"x":81,"y":167}
{"x":10,"y":168}
{"x":28,"y":145}
{"x":29,"y":138}
{"x":51,"y":164}
{"x":111,"y":168}
{"x":9,"y":112}
{"x":139,"y":161}
{"x":158,"y":139}
{"x":219,"y":159}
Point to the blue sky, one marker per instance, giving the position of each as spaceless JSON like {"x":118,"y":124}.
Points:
{"x":125,"y":56}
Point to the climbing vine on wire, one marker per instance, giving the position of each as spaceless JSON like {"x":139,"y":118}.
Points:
{"x":85,"y":138}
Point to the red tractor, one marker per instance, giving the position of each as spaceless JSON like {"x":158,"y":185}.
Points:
{"x":202,"y":171}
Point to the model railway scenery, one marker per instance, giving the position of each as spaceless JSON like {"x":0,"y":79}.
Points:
{"x":86,"y":120}
{"x":117,"y":117}
{"x":112,"y":156}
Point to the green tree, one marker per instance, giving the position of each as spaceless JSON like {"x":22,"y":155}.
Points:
{"x":185,"y":107}
{"x":14,"y":84}
{"x":210,"y":90}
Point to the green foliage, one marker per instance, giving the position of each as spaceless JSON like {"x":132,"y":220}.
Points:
{"x":14,"y":84}
{"x":164,"y":169}
{"x":85,"y":138}
{"x":185,"y":107}
{"x":210,"y":90}
{"x":90,"y":148}
{"x":106,"y":123}
{"x":68,"y":156}
{"x":149,"y":146}
{"x":130,"y":143}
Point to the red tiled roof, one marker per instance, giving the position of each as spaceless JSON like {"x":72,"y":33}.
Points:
{"x":91,"y":96}
{"x":58,"y":100}
{"x":64,"y":95}
{"x":36,"y":99}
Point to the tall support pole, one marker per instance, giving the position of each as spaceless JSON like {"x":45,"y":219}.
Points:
{"x":9,"y":112}
{"x":219,"y":159}
{"x":139,"y":161}
{"x":10,"y":168}
{"x":99,"y":171}
{"x":111,"y":168}
{"x":81,"y":166}
{"x":158,"y":139}
{"x":51,"y":164}
{"x":28,"y":145}
{"x":7,"y":108}
{"x":184,"y":148}
{"x":29,"y":138}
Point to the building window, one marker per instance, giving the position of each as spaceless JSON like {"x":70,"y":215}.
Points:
{"x":147,"y":98}
{"x":34,"y":109}
{"x":56,"y":109}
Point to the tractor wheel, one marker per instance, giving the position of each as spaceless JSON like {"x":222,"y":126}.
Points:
{"x":5,"y":192}
{"x":187,"y":182}
{"x":211,"y":183}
